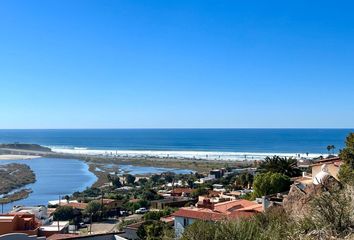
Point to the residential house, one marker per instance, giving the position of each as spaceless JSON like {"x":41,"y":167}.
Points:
{"x":40,"y":212}
{"x":61,"y":227}
{"x":182,"y":192}
{"x":19,"y":223}
{"x":171,"y":202}
{"x":208,"y":211}
{"x":325,"y":167}
{"x":112,"y":206}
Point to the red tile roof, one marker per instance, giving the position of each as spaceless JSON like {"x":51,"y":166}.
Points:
{"x":230,"y":206}
{"x":183,"y":190}
{"x":80,"y":206}
{"x":199,"y":213}
{"x":335,"y":160}
{"x":225,"y":210}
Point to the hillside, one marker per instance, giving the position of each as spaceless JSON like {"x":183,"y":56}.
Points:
{"x":25,"y":146}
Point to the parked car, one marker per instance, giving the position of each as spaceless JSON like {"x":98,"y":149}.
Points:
{"x":82,"y":225}
{"x":141,"y":210}
{"x":124,"y":213}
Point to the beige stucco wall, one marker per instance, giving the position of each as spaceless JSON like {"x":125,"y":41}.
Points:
{"x":332,"y":169}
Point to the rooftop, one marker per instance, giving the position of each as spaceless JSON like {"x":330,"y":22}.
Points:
{"x":183,"y":190}
{"x":219,"y":211}
{"x":76,"y":205}
{"x":54,"y":226}
{"x":173,"y":199}
{"x":335,"y":160}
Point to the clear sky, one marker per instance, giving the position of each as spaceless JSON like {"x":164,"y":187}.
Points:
{"x":183,"y":63}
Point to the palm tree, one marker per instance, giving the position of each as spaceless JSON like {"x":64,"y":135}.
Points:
{"x":333,"y":147}
{"x":329,"y":147}
{"x":283,"y":165}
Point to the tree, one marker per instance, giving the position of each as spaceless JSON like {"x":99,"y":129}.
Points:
{"x":243,"y":180}
{"x":142,"y":181}
{"x":155,"y":178}
{"x":346,"y":172}
{"x":150,"y":195}
{"x":156,"y":215}
{"x":329,"y":148}
{"x":200,"y":230}
{"x":67,"y":198}
{"x":270,"y":183}
{"x":129,"y":179}
{"x":93,"y":209}
{"x":151,"y":230}
{"x":201,"y":190}
{"x":115,"y":181}
{"x":169,"y":176}
{"x":333,"y":147}
{"x":64,"y":213}
{"x":283,"y":165}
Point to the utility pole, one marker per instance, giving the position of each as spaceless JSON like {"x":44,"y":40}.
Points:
{"x":102,"y":203}
{"x":58,"y":218}
{"x":91,"y":223}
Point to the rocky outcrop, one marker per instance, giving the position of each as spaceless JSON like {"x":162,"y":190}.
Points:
{"x":298,"y":202}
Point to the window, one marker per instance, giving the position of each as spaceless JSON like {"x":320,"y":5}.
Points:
{"x":185,"y":222}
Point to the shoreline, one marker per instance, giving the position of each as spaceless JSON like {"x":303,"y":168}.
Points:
{"x":93,"y":161}
{"x":8,"y":157}
{"x":15,"y":196}
{"x":212,"y":155}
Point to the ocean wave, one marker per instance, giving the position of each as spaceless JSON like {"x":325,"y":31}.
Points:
{"x":207,"y":155}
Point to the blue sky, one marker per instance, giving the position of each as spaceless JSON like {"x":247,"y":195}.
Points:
{"x":152,"y":64}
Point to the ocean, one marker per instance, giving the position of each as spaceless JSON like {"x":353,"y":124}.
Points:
{"x":232,"y":144}
{"x":58,"y":177}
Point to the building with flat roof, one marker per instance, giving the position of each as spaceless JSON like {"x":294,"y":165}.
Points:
{"x":55,"y":227}
{"x":171,"y":202}
{"x":39,"y":211}
{"x":19,"y":223}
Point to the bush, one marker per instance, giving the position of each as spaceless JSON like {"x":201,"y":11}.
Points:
{"x":270,"y":183}
{"x":152,"y":230}
{"x":95,"y":209}
{"x":156,"y":215}
{"x":64,"y":213}
{"x":333,"y":211}
{"x":346,"y":173}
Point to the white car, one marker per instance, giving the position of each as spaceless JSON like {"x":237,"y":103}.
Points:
{"x":141,"y":210}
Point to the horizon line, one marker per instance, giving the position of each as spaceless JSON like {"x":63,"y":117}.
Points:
{"x":190,"y":128}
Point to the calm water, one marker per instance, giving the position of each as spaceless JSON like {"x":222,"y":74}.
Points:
{"x":224,"y":140}
{"x":54,"y":177}
{"x":59,"y":177}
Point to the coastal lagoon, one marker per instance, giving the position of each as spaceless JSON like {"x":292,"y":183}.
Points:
{"x":59,"y":177}
{"x":54,"y":178}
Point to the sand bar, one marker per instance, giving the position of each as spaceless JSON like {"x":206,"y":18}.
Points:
{"x":17,"y":157}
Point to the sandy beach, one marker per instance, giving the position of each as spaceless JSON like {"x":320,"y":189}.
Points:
{"x":17,"y":157}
